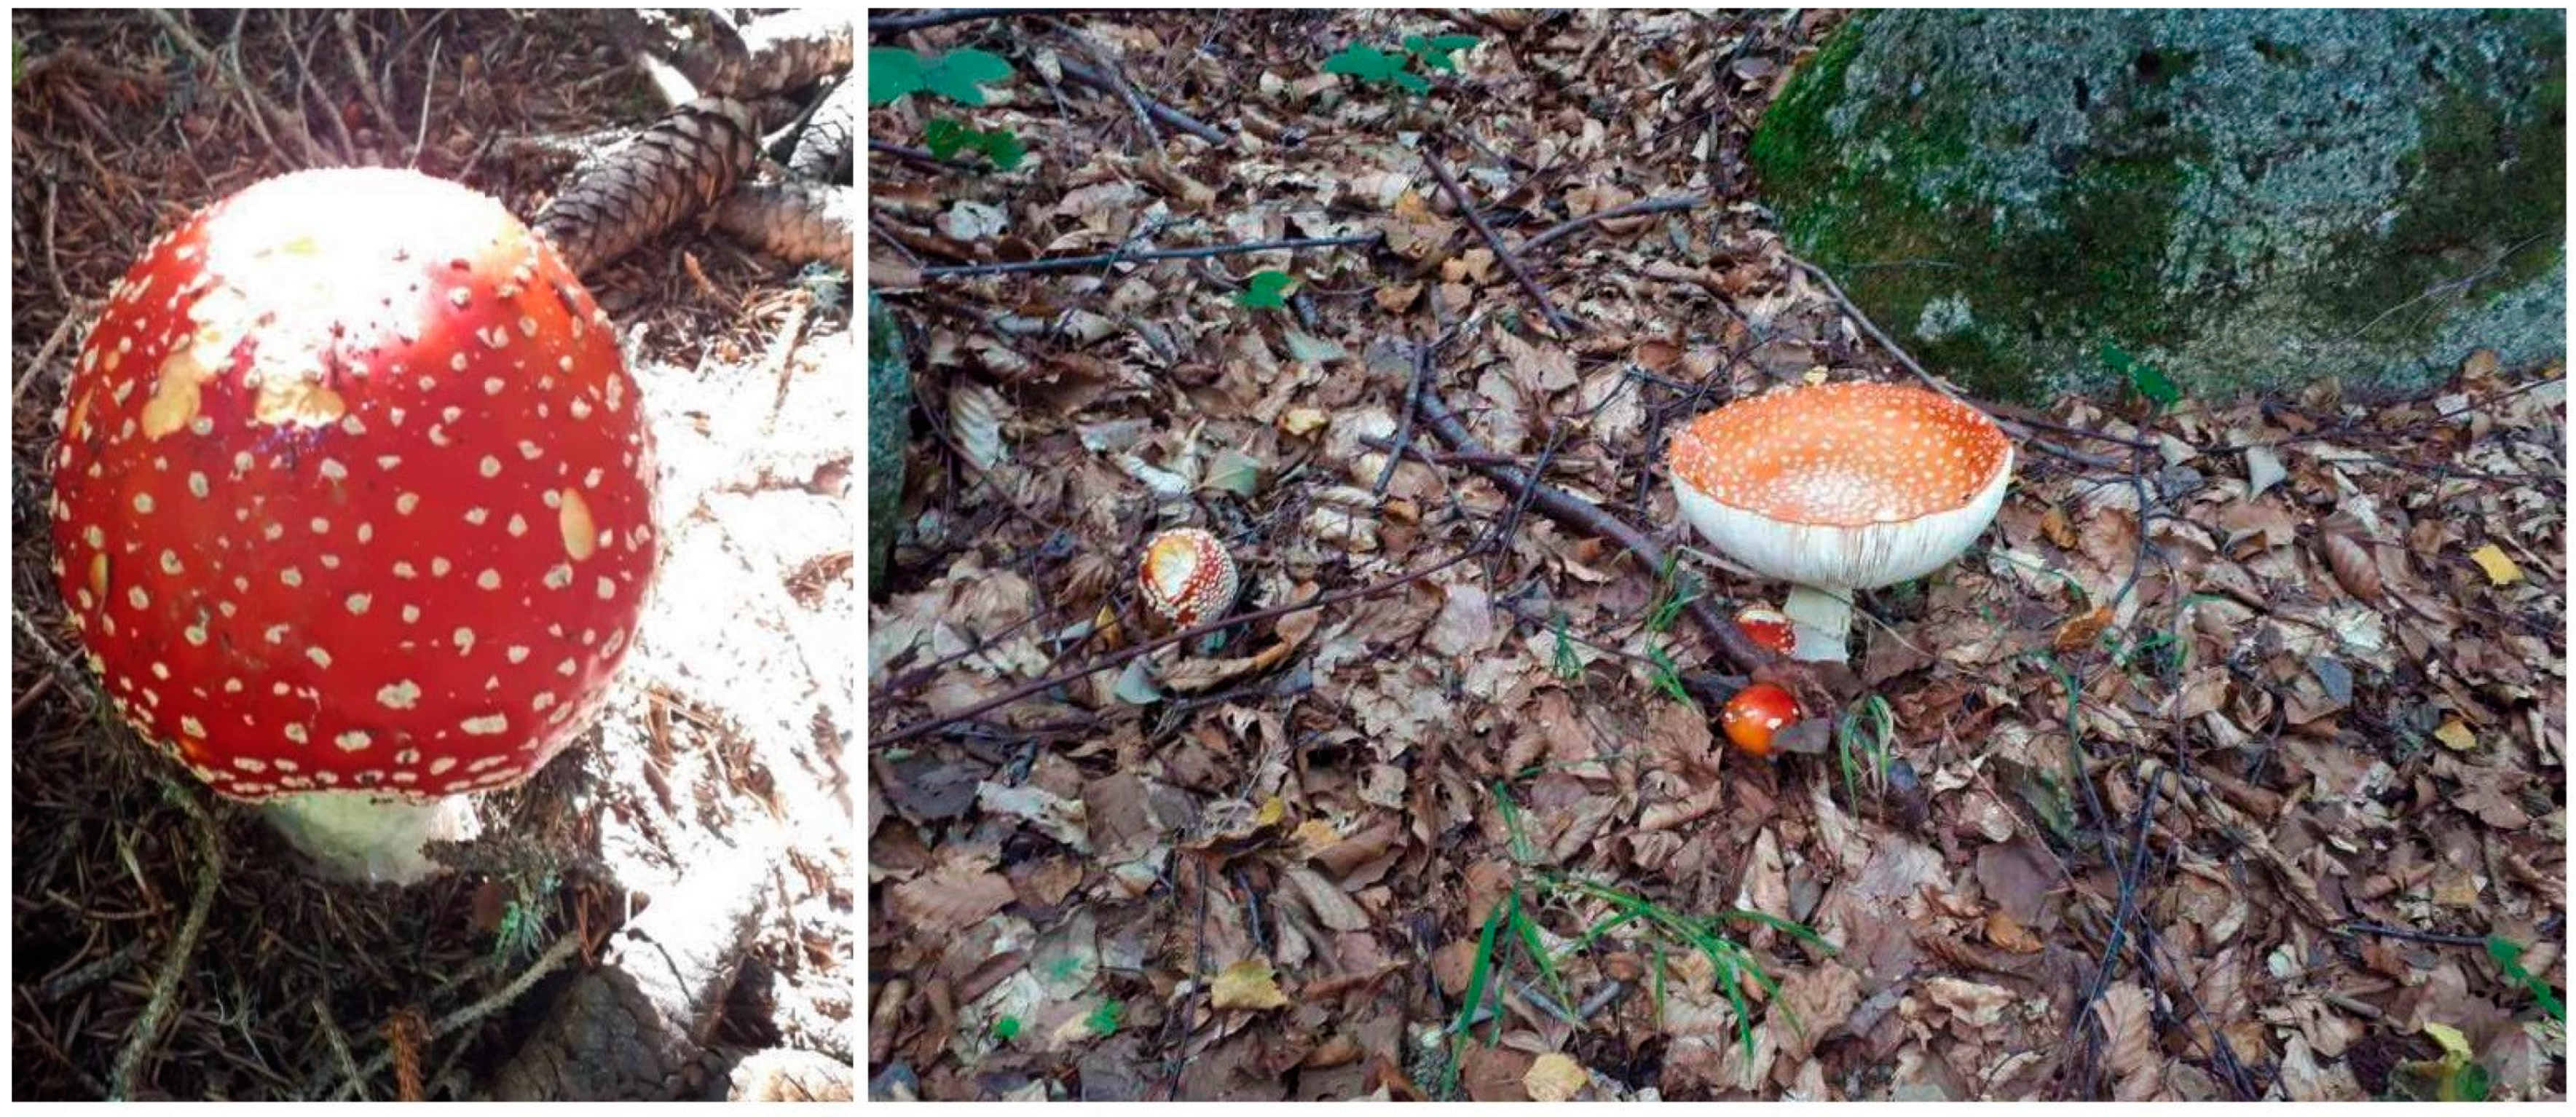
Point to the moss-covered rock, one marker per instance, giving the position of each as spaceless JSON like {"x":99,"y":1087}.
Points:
{"x":889,"y":433}
{"x":2239,"y":198}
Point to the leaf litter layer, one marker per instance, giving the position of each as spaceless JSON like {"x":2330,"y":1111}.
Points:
{"x":2229,"y":764}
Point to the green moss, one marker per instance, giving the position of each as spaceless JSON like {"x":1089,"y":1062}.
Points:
{"x":1872,"y":213}
{"x":889,"y":435}
{"x":2485,"y":190}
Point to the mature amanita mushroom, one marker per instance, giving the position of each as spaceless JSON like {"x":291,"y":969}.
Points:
{"x":1840,"y":487}
{"x":1186,"y":578}
{"x":352,"y":505}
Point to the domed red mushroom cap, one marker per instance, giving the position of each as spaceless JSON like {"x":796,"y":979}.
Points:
{"x":353,"y":492}
{"x":1187,"y":578}
{"x":1851,"y":485}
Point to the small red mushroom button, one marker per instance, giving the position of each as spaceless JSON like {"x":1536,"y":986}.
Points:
{"x":353,"y":493}
{"x":1187,"y":578}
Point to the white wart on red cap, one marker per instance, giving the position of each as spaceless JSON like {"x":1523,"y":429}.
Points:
{"x":353,"y":492}
{"x":1187,"y":578}
{"x":1852,"y":485}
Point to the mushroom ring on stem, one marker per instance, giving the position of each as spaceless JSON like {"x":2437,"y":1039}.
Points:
{"x":1840,"y":487}
{"x":352,"y":506}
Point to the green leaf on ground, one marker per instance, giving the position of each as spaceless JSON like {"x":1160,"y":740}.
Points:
{"x":957,"y":74}
{"x":2149,"y":380}
{"x":1265,"y":289}
{"x":1435,"y":50}
{"x":1366,"y":63}
{"x":891,"y":74}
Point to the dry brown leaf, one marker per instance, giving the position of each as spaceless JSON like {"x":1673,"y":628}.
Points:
{"x":2350,"y":561}
{"x":1247,"y":984}
{"x":1555,"y":1077}
{"x":2129,"y":1041}
{"x":952,"y":897}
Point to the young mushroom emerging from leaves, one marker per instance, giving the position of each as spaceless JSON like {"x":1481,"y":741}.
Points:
{"x":352,"y":506}
{"x":1187,"y":579}
{"x":1840,"y":487}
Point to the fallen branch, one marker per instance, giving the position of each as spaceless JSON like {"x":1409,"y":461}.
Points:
{"x":1120,"y":658}
{"x":1073,"y":263}
{"x":1156,"y":109}
{"x":1632,"y":209}
{"x":1467,"y":206}
{"x":941,"y":17}
{"x":921,"y":157}
{"x":1584,"y":516}
{"x":165,"y":981}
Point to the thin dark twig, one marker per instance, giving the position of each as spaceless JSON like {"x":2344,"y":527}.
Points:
{"x":1412,"y":407}
{"x":1115,"y":659}
{"x":1584,"y":516}
{"x":1070,"y":263}
{"x":1632,"y":209}
{"x":165,"y":981}
{"x":1467,"y":208}
{"x":2409,"y":934}
{"x":941,"y":17}
{"x":1117,"y":81}
{"x":920,"y":157}
{"x":1153,"y":108}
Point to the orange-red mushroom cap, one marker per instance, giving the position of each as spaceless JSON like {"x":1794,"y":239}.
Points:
{"x":353,"y":492}
{"x":1187,"y":578}
{"x":1853,"y":485}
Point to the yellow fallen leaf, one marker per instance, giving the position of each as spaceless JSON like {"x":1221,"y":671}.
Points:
{"x":1247,"y":984}
{"x":2455,"y":734}
{"x":1303,"y":420}
{"x":2499,"y":566}
{"x":1554,"y":1077}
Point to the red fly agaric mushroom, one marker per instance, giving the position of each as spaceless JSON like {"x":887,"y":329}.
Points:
{"x":1186,"y":578}
{"x":352,"y":506}
{"x":1767,"y":627}
{"x":1840,"y":487}
{"x":1754,"y":714}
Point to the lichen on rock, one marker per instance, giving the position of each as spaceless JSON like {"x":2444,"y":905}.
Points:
{"x":2240,"y":198}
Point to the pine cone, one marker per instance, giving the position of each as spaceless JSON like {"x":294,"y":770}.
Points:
{"x":771,"y":54}
{"x":683,"y":164}
{"x":799,"y":221}
{"x":823,"y":152}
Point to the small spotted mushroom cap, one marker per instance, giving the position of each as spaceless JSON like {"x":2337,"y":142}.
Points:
{"x":1187,"y":579}
{"x":353,"y":492}
{"x":1853,"y":485}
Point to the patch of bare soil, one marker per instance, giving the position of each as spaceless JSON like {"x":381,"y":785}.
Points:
{"x":2229,"y":763}
{"x":169,"y":945}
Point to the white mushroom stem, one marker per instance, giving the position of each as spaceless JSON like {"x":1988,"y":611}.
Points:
{"x":1821,"y":620}
{"x":356,"y":836}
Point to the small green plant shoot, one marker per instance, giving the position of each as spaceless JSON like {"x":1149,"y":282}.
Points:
{"x":1379,"y":67}
{"x":1265,"y":290}
{"x":959,"y":76}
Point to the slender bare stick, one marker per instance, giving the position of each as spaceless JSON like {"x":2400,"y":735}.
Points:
{"x":1153,"y":108}
{"x":1071,"y":263}
{"x":165,"y":981}
{"x":1449,"y":184}
{"x":1632,"y":209}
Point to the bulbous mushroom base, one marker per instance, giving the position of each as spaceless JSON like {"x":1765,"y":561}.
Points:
{"x":1821,"y":620}
{"x":356,"y":836}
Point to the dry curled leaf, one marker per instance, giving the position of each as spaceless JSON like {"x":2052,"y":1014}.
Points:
{"x":2129,"y":1041}
{"x":2350,"y":561}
